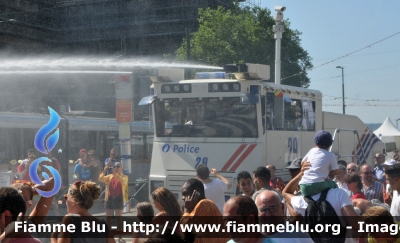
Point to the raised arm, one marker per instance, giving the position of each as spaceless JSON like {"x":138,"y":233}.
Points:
{"x":291,"y":187}
{"x":103,"y":177}
{"x":219,"y":176}
{"x":24,"y":168}
{"x":39,"y":213}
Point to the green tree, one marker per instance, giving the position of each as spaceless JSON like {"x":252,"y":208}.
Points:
{"x":245,"y":35}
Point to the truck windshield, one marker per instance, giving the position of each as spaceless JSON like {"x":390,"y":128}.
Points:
{"x":208,"y":117}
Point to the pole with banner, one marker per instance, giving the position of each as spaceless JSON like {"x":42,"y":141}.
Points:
{"x":124,"y":114}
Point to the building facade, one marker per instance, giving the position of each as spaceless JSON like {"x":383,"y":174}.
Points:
{"x":127,"y":27}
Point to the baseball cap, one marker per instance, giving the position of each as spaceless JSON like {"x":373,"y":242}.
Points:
{"x":14,"y":162}
{"x":82,"y":151}
{"x":390,"y":162}
{"x":295,"y":164}
{"x":323,"y":138}
{"x":117,"y":164}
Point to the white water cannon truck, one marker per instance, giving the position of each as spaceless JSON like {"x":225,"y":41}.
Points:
{"x":236,"y":121}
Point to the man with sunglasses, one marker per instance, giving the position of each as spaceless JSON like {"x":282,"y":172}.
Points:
{"x":271,"y":211}
{"x":371,"y":188}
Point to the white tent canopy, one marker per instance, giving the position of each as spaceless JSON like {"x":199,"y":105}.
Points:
{"x":387,"y":132}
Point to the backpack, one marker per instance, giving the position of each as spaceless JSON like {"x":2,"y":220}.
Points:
{"x":321,"y":212}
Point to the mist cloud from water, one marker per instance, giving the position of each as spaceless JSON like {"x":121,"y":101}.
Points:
{"x":86,"y":64}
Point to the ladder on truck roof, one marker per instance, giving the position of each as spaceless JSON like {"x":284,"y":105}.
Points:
{"x":337,"y":133}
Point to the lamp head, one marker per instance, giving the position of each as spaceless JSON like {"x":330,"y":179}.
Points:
{"x":339,"y":67}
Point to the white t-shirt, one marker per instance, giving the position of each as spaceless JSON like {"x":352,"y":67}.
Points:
{"x":338,"y":198}
{"x":395,"y":207}
{"x":215,"y":192}
{"x":344,"y":188}
{"x":388,"y":188}
{"x":322,"y":162}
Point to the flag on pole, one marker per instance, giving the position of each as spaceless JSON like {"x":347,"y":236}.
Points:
{"x":278,"y":93}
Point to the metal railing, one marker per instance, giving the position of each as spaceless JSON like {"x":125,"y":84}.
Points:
{"x":356,"y":137}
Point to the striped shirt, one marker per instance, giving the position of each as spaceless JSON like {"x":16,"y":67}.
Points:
{"x":374,"y":192}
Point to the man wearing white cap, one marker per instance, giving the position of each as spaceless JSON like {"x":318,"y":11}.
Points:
{"x":388,"y":163}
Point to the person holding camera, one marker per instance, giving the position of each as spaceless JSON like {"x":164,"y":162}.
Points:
{"x":110,"y":162}
{"x":196,"y":204}
{"x":116,"y":193}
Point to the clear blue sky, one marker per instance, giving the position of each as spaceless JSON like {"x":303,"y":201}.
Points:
{"x":331,"y":29}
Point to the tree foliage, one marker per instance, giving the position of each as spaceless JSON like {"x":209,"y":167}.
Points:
{"x":245,"y":35}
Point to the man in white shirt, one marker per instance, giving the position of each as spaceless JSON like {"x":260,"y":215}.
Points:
{"x":339,"y":179}
{"x":392,"y":174}
{"x":194,"y":119}
{"x":338,"y":198}
{"x":214,"y":189}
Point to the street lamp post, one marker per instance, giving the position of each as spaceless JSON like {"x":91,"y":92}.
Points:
{"x":344,"y":105}
{"x":278,"y":29}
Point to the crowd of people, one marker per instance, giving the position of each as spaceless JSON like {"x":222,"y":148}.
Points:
{"x":350,"y":194}
{"x":79,"y":198}
{"x":355,"y":193}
